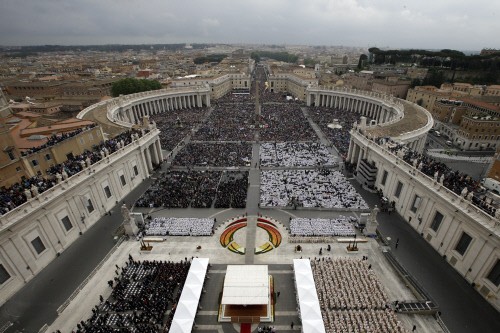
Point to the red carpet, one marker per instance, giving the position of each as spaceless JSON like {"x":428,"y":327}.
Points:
{"x":246,"y":328}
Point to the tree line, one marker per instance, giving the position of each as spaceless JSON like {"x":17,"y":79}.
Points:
{"x":280,"y":56}
{"x":132,"y":85}
{"x":209,"y":58}
{"x":447,"y":58}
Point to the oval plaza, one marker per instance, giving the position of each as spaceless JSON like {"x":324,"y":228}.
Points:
{"x":245,"y":210}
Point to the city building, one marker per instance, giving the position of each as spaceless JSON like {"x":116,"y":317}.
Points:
{"x":392,"y":86}
{"x":468,"y":123}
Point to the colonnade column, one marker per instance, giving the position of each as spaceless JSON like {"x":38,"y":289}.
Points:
{"x":148,"y":160}
{"x":158,"y":150}
{"x":350,"y":151}
{"x":152,"y":152}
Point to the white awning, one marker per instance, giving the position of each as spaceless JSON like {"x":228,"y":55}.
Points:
{"x":246,"y":285}
{"x":190,"y":297}
{"x":310,"y":312}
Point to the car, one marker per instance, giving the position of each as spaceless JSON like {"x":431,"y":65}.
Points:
{"x":449,"y":143}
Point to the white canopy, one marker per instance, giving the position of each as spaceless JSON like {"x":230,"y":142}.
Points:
{"x":310,"y":312}
{"x":245,"y":285}
{"x":188,"y":303}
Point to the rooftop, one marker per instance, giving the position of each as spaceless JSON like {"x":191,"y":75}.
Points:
{"x":414,"y":118}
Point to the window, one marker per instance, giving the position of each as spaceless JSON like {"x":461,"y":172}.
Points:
{"x":38,"y":245}
{"x":47,"y":157}
{"x":384,"y":178}
{"x":494,"y":275}
{"x":66,"y":223}
{"x":69,"y":156}
{"x":463,"y":243}
{"x":399,"y":187}
{"x":18,"y":169}
{"x":11,"y":155}
{"x":90,"y":206}
{"x":416,"y":203}
{"x":4,"y":275}
{"x":136,"y":171}
{"x":123,"y":181}
{"x":34,"y":162}
{"x":436,"y":222}
{"x":107,"y":191}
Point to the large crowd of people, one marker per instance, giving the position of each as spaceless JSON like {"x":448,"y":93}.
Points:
{"x":339,"y":136}
{"x":20,"y":192}
{"x":197,"y":189}
{"x":214,"y":154}
{"x":235,"y":97}
{"x":295,"y":154}
{"x":453,"y":180}
{"x":229,"y":122}
{"x":340,"y":226}
{"x":232,"y":190}
{"x":352,"y":298}
{"x":142,"y":294}
{"x":285,"y":122}
{"x":76,"y":164}
{"x":55,"y":139}
{"x":179,"y":226}
{"x":317,"y":188}
{"x":174,"y":125}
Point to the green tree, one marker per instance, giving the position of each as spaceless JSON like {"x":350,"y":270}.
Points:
{"x":132,"y":85}
{"x":415,"y":82}
{"x":309,"y":62}
{"x":362,"y":61}
{"x":434,"y":78}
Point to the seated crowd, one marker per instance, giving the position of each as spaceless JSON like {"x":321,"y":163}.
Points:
{"x":320,"y":188}
{"x":16,"y":194}
{"x":228,"y":122}
{"x":55,"y":139}
{"x":197,"y":189}
{"x":141,"y":296}
{"x":174,"y":125}
{"x":295,"y":154}
{"x":339,"y":137}
{"x":352,"y":298}
{"x":321,"y":227}
{"x":179,"y":226}
{"x":285,"y":122}
{"x":214,"y":154}
{"x":235,"y":97}
{"x":453,"y":180}
{"x":232,"y":190}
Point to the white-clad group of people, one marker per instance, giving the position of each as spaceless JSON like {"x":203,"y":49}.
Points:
{"x":364,"y":321}
{"x":175,"y":226}
{"x":321,"y":188}
{"x":321,"y":227}
{"x":352,"y":297}
{"x":295,"y":154}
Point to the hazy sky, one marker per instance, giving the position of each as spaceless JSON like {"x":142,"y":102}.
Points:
{"x":456,"y":24}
